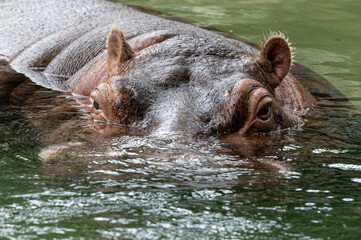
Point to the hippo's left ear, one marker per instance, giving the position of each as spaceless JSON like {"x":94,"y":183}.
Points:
{"x":275,"y":59}
{"x":118,"y":51}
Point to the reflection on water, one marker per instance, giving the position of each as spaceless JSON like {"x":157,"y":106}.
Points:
{"x":97,"y":181}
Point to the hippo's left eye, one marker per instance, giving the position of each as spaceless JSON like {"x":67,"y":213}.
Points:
{"x":96,"y":105}
{"x":264,"y":115}
{"x":264,"y":111}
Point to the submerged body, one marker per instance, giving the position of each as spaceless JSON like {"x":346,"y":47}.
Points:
{"x":158,"y":74}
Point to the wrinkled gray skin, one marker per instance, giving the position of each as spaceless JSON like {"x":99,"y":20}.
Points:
{"x":181,"y":82}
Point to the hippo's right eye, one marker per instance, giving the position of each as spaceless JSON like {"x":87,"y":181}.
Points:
{"x":96,"y":105}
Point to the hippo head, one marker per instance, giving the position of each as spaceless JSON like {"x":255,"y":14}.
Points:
{"x":249,"y":105}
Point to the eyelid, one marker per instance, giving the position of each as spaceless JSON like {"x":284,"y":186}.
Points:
{"x":266,"y":101}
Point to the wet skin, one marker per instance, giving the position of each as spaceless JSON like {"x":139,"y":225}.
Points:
{"x":227,"y":90}
{"x":158,"y":75}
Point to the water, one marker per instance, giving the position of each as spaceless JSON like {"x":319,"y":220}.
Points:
{"x":302,"y":184}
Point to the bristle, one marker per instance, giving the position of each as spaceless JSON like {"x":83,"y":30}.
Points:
{"x":282,"y":35}
{"x":115,"y":27}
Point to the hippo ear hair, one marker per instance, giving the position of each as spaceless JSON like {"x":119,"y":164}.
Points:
{"x":275,"y":59}
{"x":118,"y":51}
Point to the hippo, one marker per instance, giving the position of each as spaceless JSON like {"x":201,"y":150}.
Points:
{"x":155,"y":74}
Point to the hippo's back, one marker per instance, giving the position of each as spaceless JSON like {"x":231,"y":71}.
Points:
{"x":24,"y":23}
{"x":49,"y":41}
{"x":33,"y":33}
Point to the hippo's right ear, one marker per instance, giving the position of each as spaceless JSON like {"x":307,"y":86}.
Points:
{"x":275,"y":59}
{"x":118,"y":51}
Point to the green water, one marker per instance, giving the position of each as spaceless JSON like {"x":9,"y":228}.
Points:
{"x":146,"y":187}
